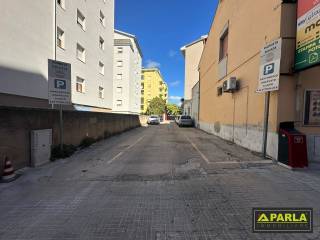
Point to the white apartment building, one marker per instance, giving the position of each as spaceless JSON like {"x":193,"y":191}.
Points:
{"x":81,"y":34}
{"x":127,"y":74}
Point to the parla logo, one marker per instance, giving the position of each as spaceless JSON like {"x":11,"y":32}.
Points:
{"x":283,"y":217}
{"x":282,"y":220}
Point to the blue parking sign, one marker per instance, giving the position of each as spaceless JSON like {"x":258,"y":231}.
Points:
{"x":268,"y":69}
{"x":60,"y":84}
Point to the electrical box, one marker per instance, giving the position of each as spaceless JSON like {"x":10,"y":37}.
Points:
{"x":230,"y":85}
{"x":41,"y":141}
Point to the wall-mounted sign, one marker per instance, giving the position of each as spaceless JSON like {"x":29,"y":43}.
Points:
{"x":308,"y":34}
{"x":270,"y":59}
{"x":312,"y":108}
{"x":59,"y":81}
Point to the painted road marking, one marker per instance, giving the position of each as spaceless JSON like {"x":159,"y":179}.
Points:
{"x":198,"y":150}
{"x":128,"y":148}
{"x":225,"y":162}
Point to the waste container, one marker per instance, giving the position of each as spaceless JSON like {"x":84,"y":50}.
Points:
{"x":292,"y":146}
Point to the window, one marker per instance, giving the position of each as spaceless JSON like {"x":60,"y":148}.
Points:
{"x":80,"y":85}
{"x":102,"y":19}
{"x":312,"y":108}
{"x":101,"y":68}
{"x":119,"y":103}
{"x":119,"y":90}
{"x":120,"y":49}
{"x":60,"y":38}
{"x":81,"y":53}
{"x":62,"y":3}
{"x":81,"y":20}
{"x":119,"y":63}
{"x":119,"y":76}
{"x":101,"y":43}
{"x":224,"y":45}
{"x":101,"y":92}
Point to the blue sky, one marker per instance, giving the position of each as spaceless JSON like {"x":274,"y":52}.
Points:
{"x":162,"y":28}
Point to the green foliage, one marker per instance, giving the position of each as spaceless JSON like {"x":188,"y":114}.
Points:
{"x":87,"y":142}
{"x":173,"y":109}
{"x":157,"y":106}
{"x":68,"y":150}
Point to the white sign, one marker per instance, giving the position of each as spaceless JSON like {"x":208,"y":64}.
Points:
{"x":59,"y":78}
{"x":270,"y":59}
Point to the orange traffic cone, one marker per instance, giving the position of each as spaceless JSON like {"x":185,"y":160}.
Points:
{"x":8,"y":171}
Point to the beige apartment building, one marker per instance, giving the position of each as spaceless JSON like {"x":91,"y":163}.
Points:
{"x":192,"y":54}
{"x":239,"y":31}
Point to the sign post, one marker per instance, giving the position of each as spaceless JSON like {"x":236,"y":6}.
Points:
{"x":270,"y":60}
{"x":59,"y":82}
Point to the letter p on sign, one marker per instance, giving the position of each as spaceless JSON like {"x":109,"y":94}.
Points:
{"x":268,"y":69}
{"x":60,"y":84}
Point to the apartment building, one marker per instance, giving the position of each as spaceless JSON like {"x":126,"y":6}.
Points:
{"x":152,"y":85}
{"x":192,"y":53}
{"x":85,"y":39}
{"x":80,"y":33}
{"x":127,"y":73}
{"x":235,"y":46}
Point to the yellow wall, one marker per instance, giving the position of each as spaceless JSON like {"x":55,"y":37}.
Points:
{"x":239,"y":116}
{"x":153,"y":86}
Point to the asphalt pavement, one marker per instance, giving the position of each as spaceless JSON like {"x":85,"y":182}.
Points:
{"x":154,"y":183}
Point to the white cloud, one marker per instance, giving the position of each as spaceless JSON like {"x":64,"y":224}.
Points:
{"x":175,"y":98}
{"x":152,"y":64}
{"x":174,"y":84}
{"x":172,"y":53}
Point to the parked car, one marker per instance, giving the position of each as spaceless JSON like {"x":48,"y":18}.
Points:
{"x":153,"y":120}
{"x":185,"y":121}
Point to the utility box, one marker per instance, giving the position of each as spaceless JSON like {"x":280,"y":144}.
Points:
{"x":41,"y":141}
{"x":292,"y":146}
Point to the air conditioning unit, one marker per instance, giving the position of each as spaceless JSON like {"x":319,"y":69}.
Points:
{"x":230,"y":85}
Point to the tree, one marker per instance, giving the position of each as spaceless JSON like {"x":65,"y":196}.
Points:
{"x":157,"y":106}
{"x":173,"y":109}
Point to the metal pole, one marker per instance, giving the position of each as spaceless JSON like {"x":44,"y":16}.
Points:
{"x":55,"y":58}
{"x":266,"y":124}
{"x":61,"y":128}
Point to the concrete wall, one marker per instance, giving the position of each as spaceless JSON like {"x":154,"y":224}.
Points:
{"x":16,"y":125}
{"x":195,"y":104}
{"x":88,"y":39}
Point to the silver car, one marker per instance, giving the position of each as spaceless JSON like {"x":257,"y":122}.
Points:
{"x":154,"y":120}
{"x":185,"y":121}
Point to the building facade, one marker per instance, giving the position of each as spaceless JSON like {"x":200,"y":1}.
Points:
{"x":80,"y":33}
{"x":24,"y":63}
{"x":152,"y":86}
{"x":127,"y":74}
{"x":233,"y":50}
{"x":192,"y":53}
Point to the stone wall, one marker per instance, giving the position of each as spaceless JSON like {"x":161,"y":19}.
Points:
{"x":16,"y":126}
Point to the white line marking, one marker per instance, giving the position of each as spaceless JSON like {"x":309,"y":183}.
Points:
{"x":198,"y":150}
{"x":225,"y":162}
{"x":128,"y":148}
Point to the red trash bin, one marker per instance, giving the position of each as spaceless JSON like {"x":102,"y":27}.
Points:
{"x":293,"y":148}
